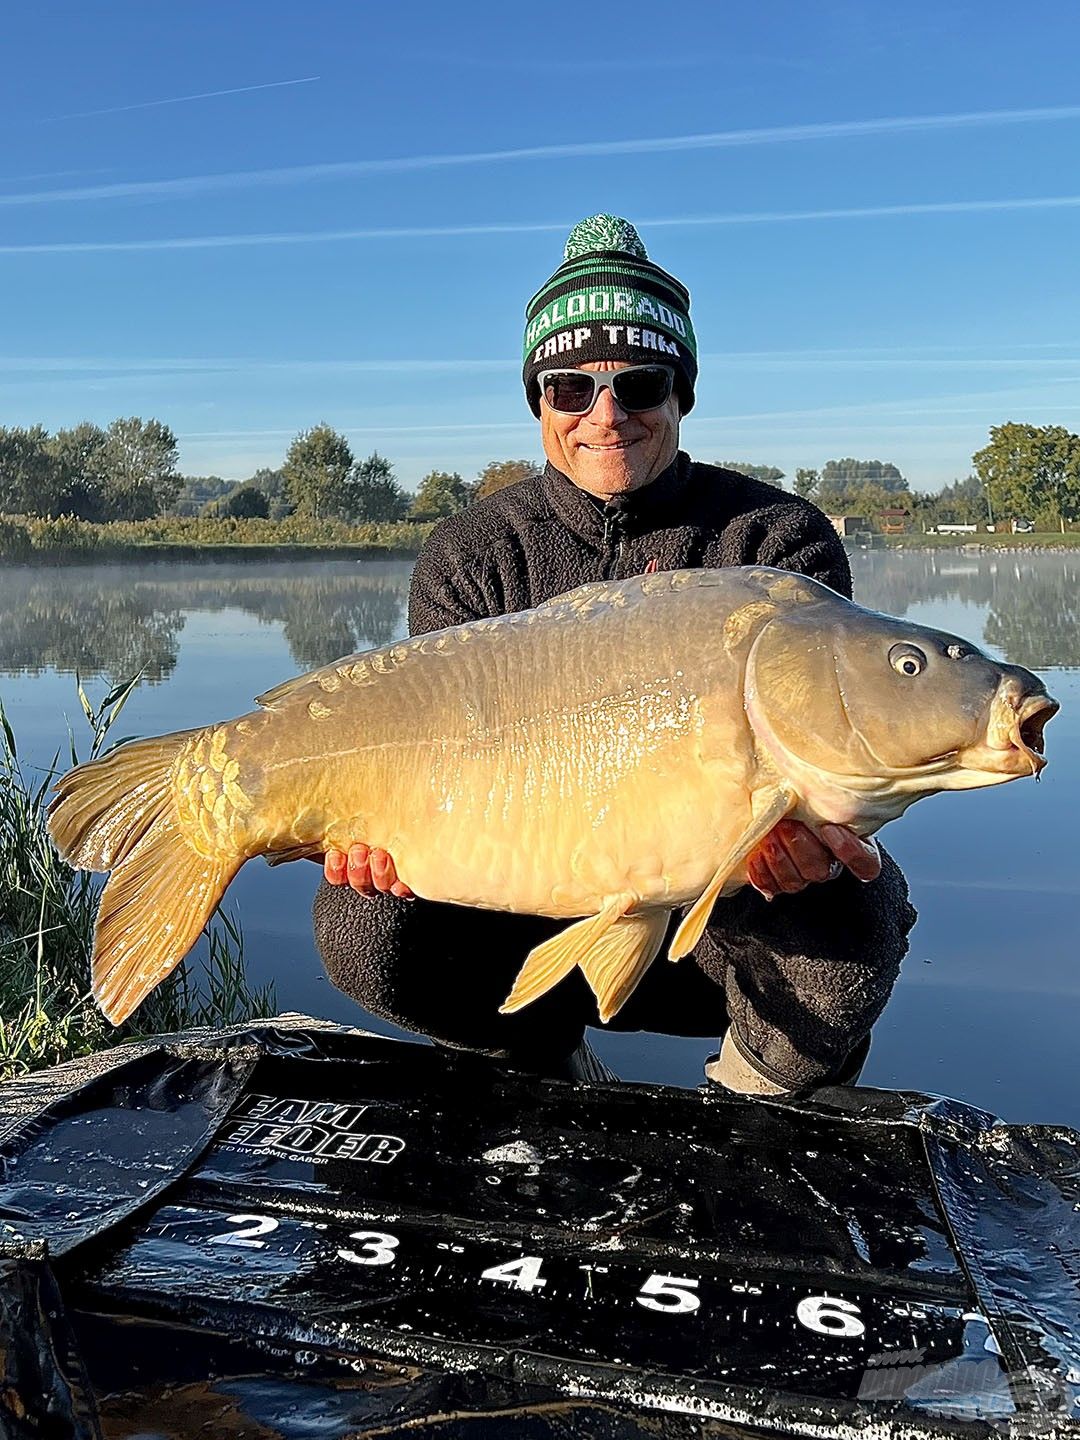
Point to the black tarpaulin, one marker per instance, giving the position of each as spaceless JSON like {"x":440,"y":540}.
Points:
{"x":300,"y":1230}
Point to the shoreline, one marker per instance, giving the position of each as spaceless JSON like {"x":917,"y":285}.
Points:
{"x":169,"y":552}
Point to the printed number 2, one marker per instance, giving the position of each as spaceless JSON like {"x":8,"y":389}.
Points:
{"x":378,"y":1249}
{"x":260,"y":1225}
{"x":670,"y":1293}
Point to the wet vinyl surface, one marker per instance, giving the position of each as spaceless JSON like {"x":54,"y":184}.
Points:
{"x":307,"y":1232}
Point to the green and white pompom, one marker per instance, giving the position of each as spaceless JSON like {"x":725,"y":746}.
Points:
{"x":604,"y":232}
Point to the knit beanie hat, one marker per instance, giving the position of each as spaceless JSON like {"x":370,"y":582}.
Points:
{"x":608,"y":301}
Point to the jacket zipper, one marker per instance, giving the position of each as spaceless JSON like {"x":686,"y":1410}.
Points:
{"x":614,"y":543}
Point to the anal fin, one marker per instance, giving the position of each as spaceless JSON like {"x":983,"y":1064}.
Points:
{"x":550,"y":962}
{"x":620,"y":957}
{"x":771,"y":808}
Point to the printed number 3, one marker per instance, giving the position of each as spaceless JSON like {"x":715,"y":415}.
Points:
{"x":670,"y":1293}
{"x":378,"y":1249}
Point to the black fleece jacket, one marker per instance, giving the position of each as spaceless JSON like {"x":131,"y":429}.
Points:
{"x":800,"y":980}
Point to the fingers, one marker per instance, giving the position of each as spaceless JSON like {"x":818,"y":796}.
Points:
{"x":791,"y":857}
{"x":862,"y":857}
{"x":368,"y":871}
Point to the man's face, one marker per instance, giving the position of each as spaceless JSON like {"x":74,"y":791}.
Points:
{"x":608,"y":452}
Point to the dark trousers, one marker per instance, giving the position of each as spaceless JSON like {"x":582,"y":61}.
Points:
{"x":802,"y":979}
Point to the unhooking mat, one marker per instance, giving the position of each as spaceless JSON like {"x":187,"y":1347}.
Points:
{"x":300,"y":1230}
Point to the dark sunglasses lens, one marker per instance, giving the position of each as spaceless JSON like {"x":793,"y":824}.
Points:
{"x":570,"y":391}
{"x":642,"y":389}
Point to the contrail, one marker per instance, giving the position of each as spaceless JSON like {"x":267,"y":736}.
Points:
{"x":178,"y":100}
{"x":714,"y":140}
{"x":442,"y":232}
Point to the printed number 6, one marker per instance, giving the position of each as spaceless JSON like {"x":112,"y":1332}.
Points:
{"x":670,"y":1293}
{"x":829,"y":1315}
{"x":379,"y":1248}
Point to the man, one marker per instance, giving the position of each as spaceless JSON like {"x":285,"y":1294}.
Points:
{"x":794,"y":986}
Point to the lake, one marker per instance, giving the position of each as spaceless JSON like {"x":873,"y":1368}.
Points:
{"x":988,"y":1005}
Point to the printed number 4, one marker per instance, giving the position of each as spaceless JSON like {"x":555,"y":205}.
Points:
{"x":670,"y":1293}
{"x":523,"y":1274}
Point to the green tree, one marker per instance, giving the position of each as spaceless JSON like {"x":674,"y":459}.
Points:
{"x":769,"y":473}
{"x":246,"y":503}
{"x":77,"y":461}
{"x":316,"y":472}
{"x":138,"y":469}
{"x":372,"y":491}
{"x":440,"y":493}
{"x":806,"y":482}
{"x":497,"y":474}
{"x":272,"y":485}
{"x":28,"y":475}
{"x":838,"y":473}
{"x":199,"y":491}
{"x":1031,"y":471}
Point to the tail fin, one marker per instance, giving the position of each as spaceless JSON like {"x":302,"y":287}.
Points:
{"x":104,"y":808}
{"x":118,"y":814}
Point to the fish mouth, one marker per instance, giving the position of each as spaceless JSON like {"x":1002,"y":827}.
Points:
{"x":1014,"y":742}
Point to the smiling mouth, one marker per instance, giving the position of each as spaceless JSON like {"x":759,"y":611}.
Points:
{"x":622,"y":445}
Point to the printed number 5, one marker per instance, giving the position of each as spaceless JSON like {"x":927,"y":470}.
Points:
{"x":670,"y":1293}
{"x":378,"y":1248}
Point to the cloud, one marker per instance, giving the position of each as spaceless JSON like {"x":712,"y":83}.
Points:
{"x":177,"y":100}
{"x":442,"y":232}
{"x":190,"y":185}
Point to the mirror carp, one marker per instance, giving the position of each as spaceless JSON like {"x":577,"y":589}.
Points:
{"x":611,"y":756}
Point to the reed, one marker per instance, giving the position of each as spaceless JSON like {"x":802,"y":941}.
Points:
{"x":47,"y":913}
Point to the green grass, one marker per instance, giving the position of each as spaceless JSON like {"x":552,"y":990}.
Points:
{"x":47,"y":913}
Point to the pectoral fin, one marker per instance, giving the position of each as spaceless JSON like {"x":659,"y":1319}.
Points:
{"x":771,"y":808}
{"x":548,"y":963}
{"x":619,"y":959}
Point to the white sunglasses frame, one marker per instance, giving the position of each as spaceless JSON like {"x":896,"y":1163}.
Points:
{"x":604,"y":380}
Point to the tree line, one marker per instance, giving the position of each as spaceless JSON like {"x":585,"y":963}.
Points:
{"x":1029,"y":472}
{"x":127,"y":471}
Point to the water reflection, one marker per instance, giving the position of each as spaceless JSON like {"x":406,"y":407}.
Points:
{"x":1032,"y":602}
{"x":113,"y":621}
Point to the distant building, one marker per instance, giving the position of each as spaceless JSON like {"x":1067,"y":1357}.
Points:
{"x":894,"y":522}
{"x":848,"y":526}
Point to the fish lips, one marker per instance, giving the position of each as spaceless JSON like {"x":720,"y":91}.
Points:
{"x":1013,"y":743}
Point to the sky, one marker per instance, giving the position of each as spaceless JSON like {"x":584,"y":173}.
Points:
{"x":247,"y":218}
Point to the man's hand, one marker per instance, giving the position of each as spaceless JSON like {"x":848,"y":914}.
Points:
{"x":792,"y":856}
{"x":369,"y":872}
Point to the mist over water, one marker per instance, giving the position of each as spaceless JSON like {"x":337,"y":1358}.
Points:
{"x":988,"y":1006}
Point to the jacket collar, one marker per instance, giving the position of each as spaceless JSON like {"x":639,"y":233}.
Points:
{"x":659,"y":502}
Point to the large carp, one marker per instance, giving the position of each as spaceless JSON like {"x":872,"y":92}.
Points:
{"x":614,"y":754}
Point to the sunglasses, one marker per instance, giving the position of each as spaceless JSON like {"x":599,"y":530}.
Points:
{"x":638,"y":387}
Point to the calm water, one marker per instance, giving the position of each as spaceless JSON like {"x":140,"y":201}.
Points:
{"x":988,"y":1006}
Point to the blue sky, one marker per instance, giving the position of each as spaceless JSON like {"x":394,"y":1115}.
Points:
{"x":247,"y":218}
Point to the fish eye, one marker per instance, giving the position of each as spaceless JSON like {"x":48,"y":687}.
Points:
{"x":907,"y":659}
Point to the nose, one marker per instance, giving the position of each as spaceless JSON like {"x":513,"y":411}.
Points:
{"x":606,"y":409}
